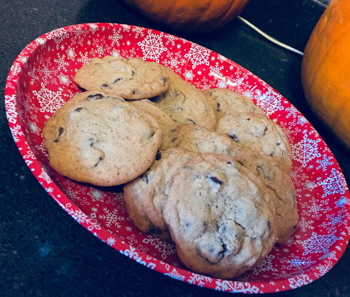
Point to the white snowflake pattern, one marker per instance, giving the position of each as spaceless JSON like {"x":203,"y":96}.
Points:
{"x":305,"y":150}
{"x":300,"y":262}
{"x":111,"y":241}
{"x":333,"y":184}
{"x":198,"y":55}
{"x":199,"y":280}
{"x":43,"y":175}
{"x":50,"y":101}
{"x":175,"y":274}
{"x":162,"y":246}
{"x":324,"y":268}
{"x":305,"y":224}
{"x":332,"y":220}
{"x":152,"y":46}
{"x":96,"y":195}
{"x":111,"y":217}
{"x":268,"y":101}
{"x":34,"y":128}
{"x":17,"y":132}
{"x":315,"y":208}
{"x":299,"y":281}
{"x":71,"y":53}
{"x":11,"y":108}
{"x":265,"y":265}
{"x":137,"y":31}
{"x":216,"y":70}
{"x":324,"y":162}
{"x":58,"y":36}
{"x":82,"y":218}
{"x":115,"y":37}
{"x":174,"y":60}
{"x":76,"y":193}
{"x":236,"y":287}
{"x":318,"y":243}
{"x":61,"y":62}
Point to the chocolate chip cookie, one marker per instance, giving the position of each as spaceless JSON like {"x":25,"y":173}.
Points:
{"x":185,"y":103}
{"x":219,"y":216}
{"x":128,"y":78}
{"x":101,"y":139}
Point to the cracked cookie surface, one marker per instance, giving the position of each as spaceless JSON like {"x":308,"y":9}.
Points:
{"x":225,"y":100}
{"x":101,"y":139}
{"x":221,"y":219}
{"x":185,"y":103}
{"x":257,"y":132}
{"x":145,"y":196}
{"x":129,"y":78}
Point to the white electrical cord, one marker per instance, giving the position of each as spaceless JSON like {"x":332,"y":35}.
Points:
{"x":268,"y":37}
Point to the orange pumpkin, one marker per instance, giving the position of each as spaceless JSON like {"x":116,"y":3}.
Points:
{"x":189,"y":16}
{"x":326,"y":69}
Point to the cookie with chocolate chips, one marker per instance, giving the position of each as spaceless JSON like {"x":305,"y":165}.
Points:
{"x":128,"y":78}
{"x":101,"y":139}
{"x":166,"y":123}
{"x":219,"y":216}
{"x":225,"y":100}
{"x":145,"y":196}
{"x":185,"y":103}
{"x":282,"y":191}
{"x":257,"y":132}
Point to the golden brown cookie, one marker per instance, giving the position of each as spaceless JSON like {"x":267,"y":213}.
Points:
{"x":225,"y":100}
{"x":101,"y":139}
{"x":185,"y":103}
{"x":219,"y":216}
{"x":128,"y":78}
{"x":165,"y":122}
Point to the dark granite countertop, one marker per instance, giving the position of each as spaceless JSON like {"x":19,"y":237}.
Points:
{"x":43,"y":251}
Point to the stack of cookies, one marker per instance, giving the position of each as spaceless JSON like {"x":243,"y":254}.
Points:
{"x":206,"y":170}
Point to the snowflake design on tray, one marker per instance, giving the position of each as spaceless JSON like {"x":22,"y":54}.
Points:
{"x":111,"y":217}
{"x":50,"y":101}
{"x":41,"y":80}
{"x":152,"y":46}
{"x":333,"y":184}
{"x":164,"y":248}
{"x":198,"y":55}
{"x":269,"y":101}
{"x":318,"y":243}
{"x":306,"y":150}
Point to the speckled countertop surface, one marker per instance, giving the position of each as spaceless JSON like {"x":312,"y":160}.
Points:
{"x":43,"y":251}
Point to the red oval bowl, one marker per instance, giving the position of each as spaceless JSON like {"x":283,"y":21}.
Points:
{"x":41,"y":80}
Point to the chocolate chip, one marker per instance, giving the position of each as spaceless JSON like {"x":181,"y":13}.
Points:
{"x":105,"y":86}
{"x":234,"y":137}
{"x":218,"y":107}
{"x":265,"y":130}
{"x":117,"y":80}
{"x":215,"y":180}
{"x":94,"y":97}
{"x":98,"y":161}
{"x":158,"y":155}
{"x":78,"y":109}
{"x":60,"y":132}
{"x":191,"y":121}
